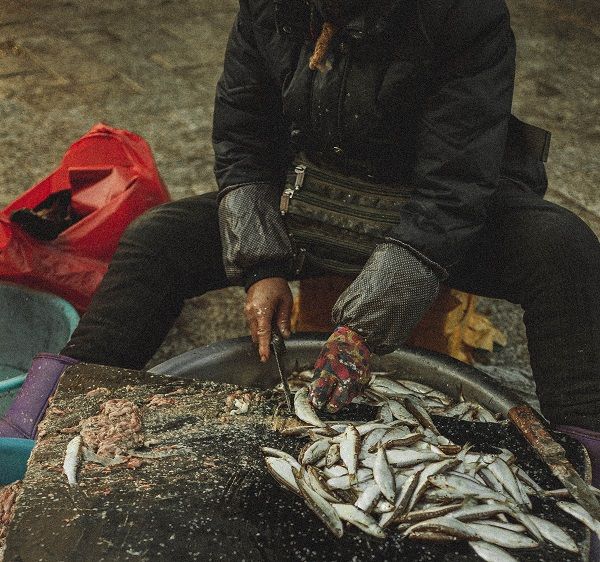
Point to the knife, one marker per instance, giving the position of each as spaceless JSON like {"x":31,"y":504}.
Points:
{"x":278,"y":346}
{"x":533,"y":429}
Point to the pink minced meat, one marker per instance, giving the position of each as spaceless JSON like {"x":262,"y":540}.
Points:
{"x":115,"y":430}
{"x":8,"y":496}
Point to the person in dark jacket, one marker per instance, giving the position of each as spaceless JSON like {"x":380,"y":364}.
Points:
{"x":416,"y":92}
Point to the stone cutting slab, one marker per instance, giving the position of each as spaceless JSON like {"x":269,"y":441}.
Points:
{"x":212,"y":499}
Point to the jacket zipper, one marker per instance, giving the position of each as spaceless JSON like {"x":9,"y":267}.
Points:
{"x":356,"y":186}
{"x":378,"y":216}
{"x":318,"y":238}
{"x":288,"y":192}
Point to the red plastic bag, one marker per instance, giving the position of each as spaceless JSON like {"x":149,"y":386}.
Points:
{"x":113,"y":179}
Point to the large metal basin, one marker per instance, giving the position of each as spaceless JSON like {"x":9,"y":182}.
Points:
{"x":236,"y":361}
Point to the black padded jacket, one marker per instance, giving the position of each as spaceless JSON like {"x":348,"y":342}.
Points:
{"x":418,"y":91}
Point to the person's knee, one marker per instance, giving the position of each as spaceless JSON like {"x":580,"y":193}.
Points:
{"x":561,"y":239}
{"x":171,"y":224}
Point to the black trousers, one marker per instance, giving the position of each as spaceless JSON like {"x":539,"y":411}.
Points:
{"x":532,"y":252}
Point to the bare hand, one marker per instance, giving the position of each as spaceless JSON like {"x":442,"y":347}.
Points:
{"x":268,"y":303}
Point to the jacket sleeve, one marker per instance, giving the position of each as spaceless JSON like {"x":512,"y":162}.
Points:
{"x":249,"y":144}
{"x":462,"y":132}
{"x":389,"y":297}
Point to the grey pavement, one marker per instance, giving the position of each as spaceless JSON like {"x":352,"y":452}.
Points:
{"x":151,"y":66}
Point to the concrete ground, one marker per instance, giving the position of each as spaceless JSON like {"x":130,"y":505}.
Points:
{"x":151,"y":66}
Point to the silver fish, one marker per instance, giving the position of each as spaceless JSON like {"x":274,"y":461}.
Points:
{"x":505,"y":475}
{"x":370,"y":442}
{"x":400,"y":413}
{"x":389,"y":388}
{"x":360,"y":519}
{"x":368,"y":427}
{"x":385,"y":413}
{"x":414,"y":406}
{"x":335,"y":471}
{"x":485,"y":415}
{"x":527,"y":521}
{"x":424,"y":476}
{"x":369,"y":498}
{"x":281,"y":470}
{"x":514,"y":527}
{"x":491,"y":552}
{"x":383,"y":475}
{"x":467,"y":487}
{"x":490,"y":479}
{"x":404,"y":498}
{"x":72,"y":460}
{"x":320,"y":506}
{"x":446,"y":525}
{"x":554,"y":534}
{"x":502,"y":537}
{"x":316,"y":481}
{"x":404,"y":457}
{"x":333,"y":455}
{"x":476,"y":512}
{"x":526,"y":491}
{"x":440,"y":397}
{"x":459,"y":410}
{"x":383,"y":506}
{"x":524,"y":477}
{"x":431,"y":513}
{"x":349,"y":450}
{"x":396,"y":432}
{"x":406,"y":441}
{"x":346,"y":481}
{"x":282,"y":455}
{"x":417,"y":387}
{"x":304,"y":410}
{"x":315,"y":451}
{"x":581,"y":514}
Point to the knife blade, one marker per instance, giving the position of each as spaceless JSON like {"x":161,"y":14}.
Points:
{"x":278,"y":346}
{"x":552,"y":453}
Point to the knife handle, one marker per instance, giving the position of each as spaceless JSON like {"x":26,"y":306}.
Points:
{"x":531,"y":426}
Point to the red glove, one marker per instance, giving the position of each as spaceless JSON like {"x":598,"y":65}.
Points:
{"x":342,"y":370}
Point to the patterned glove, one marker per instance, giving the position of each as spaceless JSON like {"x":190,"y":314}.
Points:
{"x":342,"y":370}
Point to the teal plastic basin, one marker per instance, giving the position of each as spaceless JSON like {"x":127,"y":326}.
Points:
{"x":31,"y":322}
{"x":14,"y":454}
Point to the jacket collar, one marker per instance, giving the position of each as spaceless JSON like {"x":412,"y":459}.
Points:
{"x":293,"y":17}
{"x":378,"y":17}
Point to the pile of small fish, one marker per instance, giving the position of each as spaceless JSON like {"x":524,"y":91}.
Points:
{"x":436,"y":402}
{"x":399,"y":474}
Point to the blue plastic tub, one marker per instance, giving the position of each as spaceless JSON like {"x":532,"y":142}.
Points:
{"x":31,"y":322}
{"x":14,"y":454}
